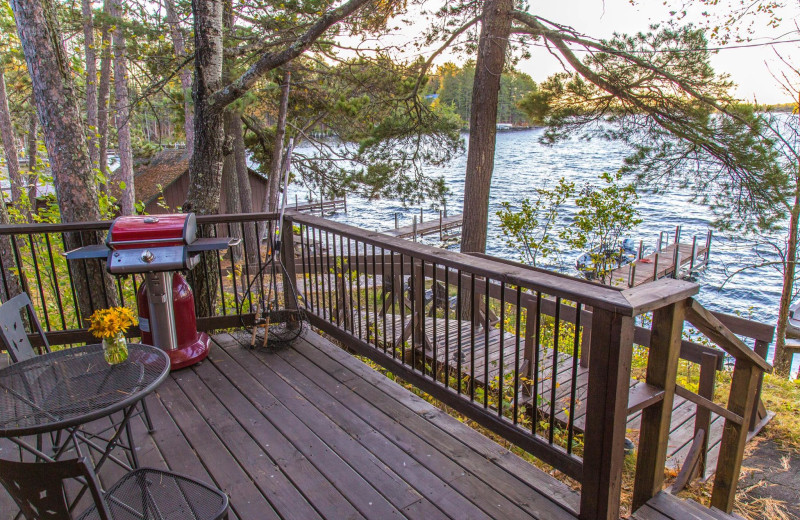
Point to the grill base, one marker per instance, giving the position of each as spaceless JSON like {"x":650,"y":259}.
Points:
{"x":167,"y":319}
{"x":191,"y":353}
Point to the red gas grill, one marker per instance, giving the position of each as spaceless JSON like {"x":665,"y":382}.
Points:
{"x":158,"y":246}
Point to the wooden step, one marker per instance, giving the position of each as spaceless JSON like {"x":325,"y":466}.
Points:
{"x":664,"y":506}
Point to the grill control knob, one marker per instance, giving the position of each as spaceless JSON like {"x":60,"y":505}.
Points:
{"x":147,"y":256}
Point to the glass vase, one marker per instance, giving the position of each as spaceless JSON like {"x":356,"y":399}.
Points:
{"x":115,"y":349}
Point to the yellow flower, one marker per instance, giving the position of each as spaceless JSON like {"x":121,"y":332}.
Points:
{"x":107,"y":323}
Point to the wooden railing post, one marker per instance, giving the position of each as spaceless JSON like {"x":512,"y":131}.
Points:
{"x":287,"y":258}
{"x":761,"y":348}
{"x":606,"y":415}
{"x":734,"y":436}
{"x":662,"y":369}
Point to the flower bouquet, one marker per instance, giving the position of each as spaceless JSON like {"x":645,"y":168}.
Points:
{"x":110,"y":325}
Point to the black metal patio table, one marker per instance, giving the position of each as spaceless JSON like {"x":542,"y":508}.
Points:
{"x":62,"y":390}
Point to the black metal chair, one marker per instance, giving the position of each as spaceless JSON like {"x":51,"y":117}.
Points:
{"x":14,"y":338}
{"x":13,"y":333}
{"x":38,"y":489}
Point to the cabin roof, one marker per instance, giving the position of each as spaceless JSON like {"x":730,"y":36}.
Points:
{"x":153,"y":175}
{"x":160,"y":171}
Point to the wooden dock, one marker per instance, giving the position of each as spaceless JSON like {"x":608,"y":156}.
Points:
{"x":431,"y":227}
{"x":673,"y":260}
{"x":321,"y":207}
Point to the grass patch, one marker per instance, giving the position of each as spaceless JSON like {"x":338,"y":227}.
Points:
{"x":782,"y":396}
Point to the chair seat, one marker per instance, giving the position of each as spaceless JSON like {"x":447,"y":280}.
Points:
{"x":141,"y":493}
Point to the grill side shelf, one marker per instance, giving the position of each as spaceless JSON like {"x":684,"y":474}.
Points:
{"x":211,"y":244}
{"x":86,"y":252}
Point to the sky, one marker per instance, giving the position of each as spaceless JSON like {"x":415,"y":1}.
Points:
{"x":753,"y":69}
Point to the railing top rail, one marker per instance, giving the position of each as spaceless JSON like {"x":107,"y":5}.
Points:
{"x":712,"y":327}
{"x":102,"y":225}
{"x":630,"y":302}
{"x":746,"y":327}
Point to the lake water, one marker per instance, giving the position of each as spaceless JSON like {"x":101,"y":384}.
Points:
{"x":521,"y":163}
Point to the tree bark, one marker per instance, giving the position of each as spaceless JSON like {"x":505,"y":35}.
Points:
{"x":10,"y":285}
{"x":782,"y":360}
{"x":33,"y":150}
{"x":495,"y":30}
{"x":205,"y":165}
{"x":103,"y":90}
{"x":245,"y":193}
{"x":271,"y":202}
{"x":230,"y":179}
{"x":185,"y":75}
{"x":9,"y":145}
{"x":124,"y":173}
{"x":56,"y":104}
{"x":91,"y":79}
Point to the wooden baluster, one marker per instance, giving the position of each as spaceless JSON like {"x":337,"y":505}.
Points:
{"x":759,"y":412}
{"x":734,"y":436}
{"x":419,"y":303}
{"x":531,"y":315}
{"x":708,"y":379}
{"x":586,"y":340}
{"x":662,"y":369}
{"x":606,"y":414}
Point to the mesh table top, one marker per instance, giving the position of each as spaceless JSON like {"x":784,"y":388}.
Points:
{"x":74,"y":386}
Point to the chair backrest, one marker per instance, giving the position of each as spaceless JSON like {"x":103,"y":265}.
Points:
{"x":38,"y":487}
{"x":13,"y":334}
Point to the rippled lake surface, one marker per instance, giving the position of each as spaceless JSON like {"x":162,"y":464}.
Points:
{"x":521,"y":163}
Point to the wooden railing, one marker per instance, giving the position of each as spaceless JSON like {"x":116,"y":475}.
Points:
{"x":541,"y":359}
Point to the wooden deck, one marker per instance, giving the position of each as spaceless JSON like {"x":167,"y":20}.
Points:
{"x":645,"y":268}
{"x":311,"y":432}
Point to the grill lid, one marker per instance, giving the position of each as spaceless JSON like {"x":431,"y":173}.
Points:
{"x":136,"y":232}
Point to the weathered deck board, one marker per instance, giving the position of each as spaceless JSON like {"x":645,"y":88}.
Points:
{"x":311,"y":432}
{"x":664,"y":506}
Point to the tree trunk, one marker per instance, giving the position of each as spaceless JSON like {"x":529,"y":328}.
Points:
{"x":10,"y":145}
{"x":10,"y":285}
{"x":103,"y":89}
{"x":271,"y":202}
{"x":495,"y":30}
{"x":782,"y":361}
{"x":33,"y":150}
{"x":245,"y":193}
{"x":185,"y":75}
{"x":56,"y":104}
{"x":91,"y":79}
{"x":205,"y":165}
{"x":124,"y":173}
{"x":230,"y":178}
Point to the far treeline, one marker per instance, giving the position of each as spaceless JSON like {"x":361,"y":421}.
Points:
{"x":452,"y":85}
